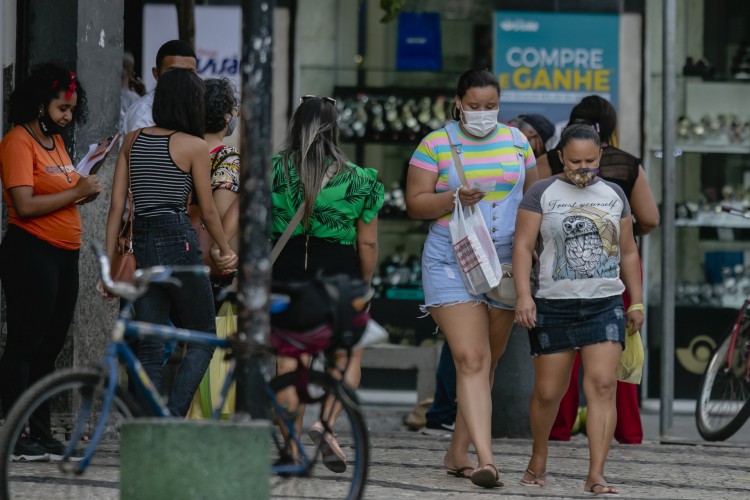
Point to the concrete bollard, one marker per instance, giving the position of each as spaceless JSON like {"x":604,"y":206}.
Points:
{"x":190,"y":460}
{"x":511,"y":392}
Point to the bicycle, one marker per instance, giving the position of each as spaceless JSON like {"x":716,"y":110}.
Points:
{"x":723,"y":404}
{"x":87,"y":406}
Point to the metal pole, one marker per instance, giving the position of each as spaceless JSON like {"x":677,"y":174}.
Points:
{"x":668,"y":218}
{"x":255,"y":203}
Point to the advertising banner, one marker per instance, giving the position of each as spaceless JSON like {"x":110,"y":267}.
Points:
{"x":548,"y":61}
{"x":218,"y":39}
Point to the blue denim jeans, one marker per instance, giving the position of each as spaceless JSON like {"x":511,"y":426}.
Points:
{"x":444,"y":407}
{"x":170,"y":240}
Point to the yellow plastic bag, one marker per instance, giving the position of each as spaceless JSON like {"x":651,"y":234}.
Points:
{"x":209,"y":391}
{"x":630,"y":368}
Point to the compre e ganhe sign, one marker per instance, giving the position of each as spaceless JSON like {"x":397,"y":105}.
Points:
{"x":547,"y":62}
{"x":565,"y":68}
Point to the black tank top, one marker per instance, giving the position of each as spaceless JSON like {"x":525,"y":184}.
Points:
{"x":158,"y":185}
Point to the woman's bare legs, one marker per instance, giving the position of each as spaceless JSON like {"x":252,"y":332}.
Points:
{"x":600,"y":385}
{"x":467,"y":327}
{"x":551,"y":377}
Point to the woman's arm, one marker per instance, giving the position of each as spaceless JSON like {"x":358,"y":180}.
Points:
{"x":120,"y":182}
{"x":367,"y":247}
{"x":230,"y":221}
{"x":422,"y":202}
{"x":524,"y":243}
{"x":543,"y":169}
{"x":201,"y":172}
{"x":643,"y":205}
{"x":29,"y":205}
{"x":630,"y":271}
{"x":532,"y":175}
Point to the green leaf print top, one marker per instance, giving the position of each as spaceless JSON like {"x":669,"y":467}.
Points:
{"x":353,"y":194}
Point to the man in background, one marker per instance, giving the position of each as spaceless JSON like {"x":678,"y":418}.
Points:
{"x":173,"y":54}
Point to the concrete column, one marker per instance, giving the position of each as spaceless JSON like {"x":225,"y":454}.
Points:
{"x":87,"y":37}
{"x":511,"y":393}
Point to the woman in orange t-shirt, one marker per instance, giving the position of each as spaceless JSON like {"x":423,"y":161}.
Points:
{"x":39,"y":253}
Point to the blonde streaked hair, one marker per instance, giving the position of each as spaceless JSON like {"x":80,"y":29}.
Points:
{"x":312,"y":146}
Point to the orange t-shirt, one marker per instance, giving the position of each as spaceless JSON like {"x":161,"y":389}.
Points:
{"x":25,"y":162}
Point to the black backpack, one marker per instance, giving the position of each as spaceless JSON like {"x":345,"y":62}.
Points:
{"x":338,"y":301}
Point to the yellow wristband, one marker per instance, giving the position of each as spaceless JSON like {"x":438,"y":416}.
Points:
{"x":636,"y":307}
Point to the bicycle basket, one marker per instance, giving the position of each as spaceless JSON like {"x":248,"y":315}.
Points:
{"x":334,"y":302}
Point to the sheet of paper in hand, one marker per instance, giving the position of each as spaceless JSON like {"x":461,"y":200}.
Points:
{"x":96,"y":155}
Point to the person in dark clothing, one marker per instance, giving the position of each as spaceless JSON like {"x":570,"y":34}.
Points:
{"x":167,"y":161}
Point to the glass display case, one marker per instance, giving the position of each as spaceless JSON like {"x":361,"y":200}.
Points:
{"x":712,"y":169}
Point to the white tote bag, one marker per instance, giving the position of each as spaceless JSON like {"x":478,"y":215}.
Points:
{"x":475,"y":252}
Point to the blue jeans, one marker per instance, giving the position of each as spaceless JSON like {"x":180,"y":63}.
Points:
{"x":170,"y":240}
{"x":444,"y":407}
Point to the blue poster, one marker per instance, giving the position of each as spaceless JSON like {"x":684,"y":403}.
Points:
{"x":548,"y":61}
{"x":419,"y":43}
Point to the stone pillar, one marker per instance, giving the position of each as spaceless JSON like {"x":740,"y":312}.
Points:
{"x":511,"y":392}
{"x":87,"y":37}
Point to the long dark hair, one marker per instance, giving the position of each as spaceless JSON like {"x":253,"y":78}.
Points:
{"x":45,"y":83}
{"x":597,"y":112}
{"x":477,"y":77}
{"x":179,"y":102}
{"x":312,"y":146}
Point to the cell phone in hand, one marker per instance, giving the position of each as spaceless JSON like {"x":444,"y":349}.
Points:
{"x":484,"y":186}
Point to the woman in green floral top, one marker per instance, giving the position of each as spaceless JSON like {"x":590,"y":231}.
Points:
{"x":339,"y":228}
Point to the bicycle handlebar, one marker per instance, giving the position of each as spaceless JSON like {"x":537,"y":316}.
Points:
{"x":143,"y":277}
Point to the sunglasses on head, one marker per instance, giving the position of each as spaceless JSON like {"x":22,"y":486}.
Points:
{"x":306,"y":97}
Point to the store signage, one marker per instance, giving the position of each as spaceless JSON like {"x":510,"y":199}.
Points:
{"x":218,"y":39}
{"x":419,"y":43}
{"x":548,"y":61}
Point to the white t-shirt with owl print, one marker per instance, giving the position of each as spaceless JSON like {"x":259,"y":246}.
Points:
{"x":578,"y":244}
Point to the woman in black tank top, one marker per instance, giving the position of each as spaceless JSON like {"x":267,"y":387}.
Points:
{"x":166,"y":162}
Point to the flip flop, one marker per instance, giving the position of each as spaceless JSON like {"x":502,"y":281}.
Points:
{"x":486,"y":477}
{"x":610,"y":490}
{"x":459,"y":473}
{"x":538,"y":480}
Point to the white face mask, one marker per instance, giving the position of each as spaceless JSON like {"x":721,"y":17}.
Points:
{"x":479,"y":123}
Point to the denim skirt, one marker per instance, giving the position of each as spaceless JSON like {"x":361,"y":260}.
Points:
{"x":565,"y":324}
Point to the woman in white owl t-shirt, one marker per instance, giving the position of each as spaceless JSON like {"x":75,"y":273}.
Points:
{"x":581,"y":227}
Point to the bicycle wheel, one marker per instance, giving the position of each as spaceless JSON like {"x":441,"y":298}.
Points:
{"x":339,"y":459}
{"x":723,"y":403}
{"x":64,"y":396}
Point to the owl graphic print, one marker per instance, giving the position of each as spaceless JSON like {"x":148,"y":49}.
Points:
{"x":578,"y":245}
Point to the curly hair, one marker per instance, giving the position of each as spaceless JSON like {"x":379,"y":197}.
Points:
{"x":45,"y":83}
{"x":179,"y":102}
{"x":220,"y":101}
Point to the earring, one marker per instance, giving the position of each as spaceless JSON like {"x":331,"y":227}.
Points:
{"x":41,"y":112}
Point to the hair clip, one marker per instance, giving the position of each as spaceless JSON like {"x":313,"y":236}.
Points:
{"x":71,"y":86}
